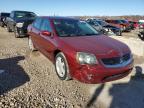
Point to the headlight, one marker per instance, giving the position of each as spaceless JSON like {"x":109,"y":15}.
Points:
{"x":86,"y":58}
{"x":19,"y":24}
{"x":106,"y":29}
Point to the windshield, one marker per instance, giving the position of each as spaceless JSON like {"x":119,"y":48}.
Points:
{"x":69,"y":27}
{"x":124,"y":21}
{"x":102,"y":23}
{"x":25,"y":14}
{"x":118,"y":21}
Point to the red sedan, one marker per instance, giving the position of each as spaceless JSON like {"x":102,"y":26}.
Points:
{"x":78,"y":51}
{"x":123,"y":24}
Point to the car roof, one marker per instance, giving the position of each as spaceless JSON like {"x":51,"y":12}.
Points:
{"x":21,"y":11}
{"x":57,"y":17}
{"x":4,"y":13}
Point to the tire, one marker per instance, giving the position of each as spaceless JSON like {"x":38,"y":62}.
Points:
{"x":8,"y":29}
{"x":61,"y":67}
{"x":141,"y":36}
{"x":30,"y":44}
{"x":104,"y":32}
{"x":16,"y":33}
{"x":119,"y":33}
{"x":2,"y":24}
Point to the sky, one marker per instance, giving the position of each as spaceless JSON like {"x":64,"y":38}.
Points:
{"x":76,"y":7}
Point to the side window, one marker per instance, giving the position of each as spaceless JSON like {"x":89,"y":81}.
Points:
{"x":46,"y":25}
{"x":37,"y":23}
{"x":12,"y":15}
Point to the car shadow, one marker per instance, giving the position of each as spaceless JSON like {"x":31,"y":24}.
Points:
{"x":124,"y":95}
{"x":131,"y":94}
{"x":95,"y":96}
{"x":12,"y":75}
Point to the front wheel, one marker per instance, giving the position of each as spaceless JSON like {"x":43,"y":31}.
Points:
{"x":119,"y":33}
{"x":9,"y":29}
{"x":61,"y":66}
{"x":2,"y":24}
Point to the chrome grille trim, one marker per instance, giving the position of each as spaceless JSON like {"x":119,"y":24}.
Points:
{"x":122,"y":64}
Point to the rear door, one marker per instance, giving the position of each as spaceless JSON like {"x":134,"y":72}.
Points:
{"x":35,"y":32}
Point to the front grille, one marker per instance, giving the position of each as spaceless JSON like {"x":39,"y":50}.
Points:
{"x":116,"y":60}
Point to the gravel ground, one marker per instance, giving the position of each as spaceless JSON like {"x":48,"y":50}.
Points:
{"x":132,"y":34}
{"x":28,"y":80}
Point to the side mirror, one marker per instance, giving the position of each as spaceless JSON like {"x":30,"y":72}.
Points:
{"x":46,"y":33}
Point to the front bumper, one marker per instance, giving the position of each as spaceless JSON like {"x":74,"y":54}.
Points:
{"x":127,"y":29}
{"x":118,"y":32}
{"x":101,"y":74}
{"x":22,"y":31}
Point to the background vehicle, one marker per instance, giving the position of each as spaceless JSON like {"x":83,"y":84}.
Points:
{"x":118,"y":23}
{"x":141,"y":35}
{"x":19,"y":21}
{"x":3,"y":17}
{"x":106,"y":28}
{"x":141,"y":24}
{"x":78,"y":51}
{"x":127,"y":23}
{"x":97,"y":26}
{"x":134,"y":24}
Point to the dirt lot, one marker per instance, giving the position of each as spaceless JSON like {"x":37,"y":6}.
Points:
{"x":29,"y":80}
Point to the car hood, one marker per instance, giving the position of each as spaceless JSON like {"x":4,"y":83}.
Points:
{"x":96,"y":44}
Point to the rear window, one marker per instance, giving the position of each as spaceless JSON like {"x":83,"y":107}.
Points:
{"x":25,"y":14}
{"x":37,"y":23}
